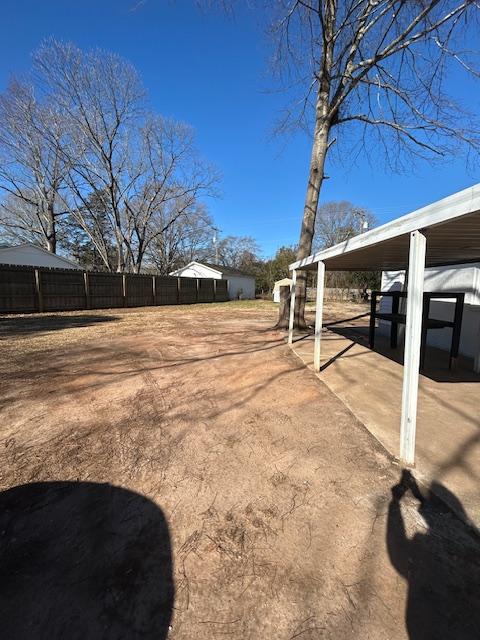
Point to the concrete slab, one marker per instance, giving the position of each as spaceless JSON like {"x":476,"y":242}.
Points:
{"x":370,"y":384}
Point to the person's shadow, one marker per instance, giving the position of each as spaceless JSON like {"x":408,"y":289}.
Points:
{"x":441,"y":566}
{"x":83,"y":560}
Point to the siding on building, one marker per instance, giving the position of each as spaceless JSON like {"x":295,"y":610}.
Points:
{"x":28,"y":254}
{"x":239,"y":285}
{"x":455,"y":278}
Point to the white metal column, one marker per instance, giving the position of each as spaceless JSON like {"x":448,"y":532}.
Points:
{"x":319,"y":315}
{"x":292,"y":307}
{"x":413,"y":335}
{"x":476,"y":361}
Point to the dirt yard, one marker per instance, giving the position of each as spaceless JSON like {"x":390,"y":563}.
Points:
{"x":177,"y":472}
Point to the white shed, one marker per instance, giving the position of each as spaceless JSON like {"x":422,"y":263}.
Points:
{"x":286,"y":282}
{"x":240,"y":284}
{"x":29,"y":254}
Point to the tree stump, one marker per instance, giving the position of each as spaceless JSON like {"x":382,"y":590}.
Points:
{"x":283,"y":309}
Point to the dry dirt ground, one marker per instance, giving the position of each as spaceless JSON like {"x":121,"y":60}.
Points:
{"x":178,"y":473}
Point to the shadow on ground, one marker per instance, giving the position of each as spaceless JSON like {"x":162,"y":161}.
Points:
{"x":24,"y":325}
{"x":436,"y":362}
{"x":83,"y":560}
{"x":440,"y":564}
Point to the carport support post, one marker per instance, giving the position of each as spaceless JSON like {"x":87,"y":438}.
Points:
{"x":319,"y":315}
{"x":292,"y":307}
{"x":413,"y":335}
{"x":476,"y":360}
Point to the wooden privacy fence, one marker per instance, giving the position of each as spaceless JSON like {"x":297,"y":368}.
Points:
{"x":36,"y":289}
{"x":337,"y":294}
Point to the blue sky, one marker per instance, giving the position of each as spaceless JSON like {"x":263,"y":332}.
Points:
{"x":211,"y":70}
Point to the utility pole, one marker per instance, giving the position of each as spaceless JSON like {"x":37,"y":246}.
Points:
{"x":363,"y":220}
{"x":216,"y":231}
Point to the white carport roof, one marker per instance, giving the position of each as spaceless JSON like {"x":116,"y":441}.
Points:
{"x":451,"y":226}
{"x":442,"y":233}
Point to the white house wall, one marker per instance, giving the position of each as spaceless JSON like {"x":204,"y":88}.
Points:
{"x":245,"y":284}
{"x":459,"y":278}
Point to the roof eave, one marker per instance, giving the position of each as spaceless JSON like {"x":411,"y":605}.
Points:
{"x":454,"y":206}
{"x":49,"y":253}
{"x":190,"y":264}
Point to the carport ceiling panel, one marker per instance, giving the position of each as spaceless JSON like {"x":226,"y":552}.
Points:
{"x":453,"y":241}
{"x":390,"y":254}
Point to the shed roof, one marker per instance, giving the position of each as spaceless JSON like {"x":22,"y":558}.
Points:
{"x":8,"y":249}
{"x":219,"y":268}
{"x":283,"y":282}
{"x":452,"y":227}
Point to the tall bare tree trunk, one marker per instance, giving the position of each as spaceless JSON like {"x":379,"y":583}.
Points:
{"x":120,"y":253}
{"x":315,"y":180}
{"x":50,"y":231}
{"x":51,"y":242}
{"x":283,"y":308}
{"x":323,"y":122}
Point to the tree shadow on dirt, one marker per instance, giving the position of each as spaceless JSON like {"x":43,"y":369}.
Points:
{"x":436,"y":365}
{"x":111,"y":366}
{"x":441,"y":565}
{"x":83,"y":560}
{"x":26,"y":325}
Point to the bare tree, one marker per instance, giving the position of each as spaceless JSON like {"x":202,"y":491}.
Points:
{"x":145,"y":167}
{"x":339,"y":221}
{"x":171,"y":178}
{"x":101,"y":98}
{"x":32,"y":166}
{"x":188,"y":238}
{"x":376,"y":71}
{"x":239,"y":252}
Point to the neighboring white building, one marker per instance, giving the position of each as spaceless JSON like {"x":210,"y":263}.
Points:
{"x":286,"y":282}
{"x":457,"y":279}
{"x":240,"y":285}
{"x":28,"y":254}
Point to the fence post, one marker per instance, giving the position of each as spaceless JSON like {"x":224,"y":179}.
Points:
{"x":124,"y":287}
{"x":178,"y":290}
{"x":87,"y":290}
{"x":38,"y":289}
{"x":154,"y":291}
{"x":214,"y":289}
{"x":198,"y":287}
